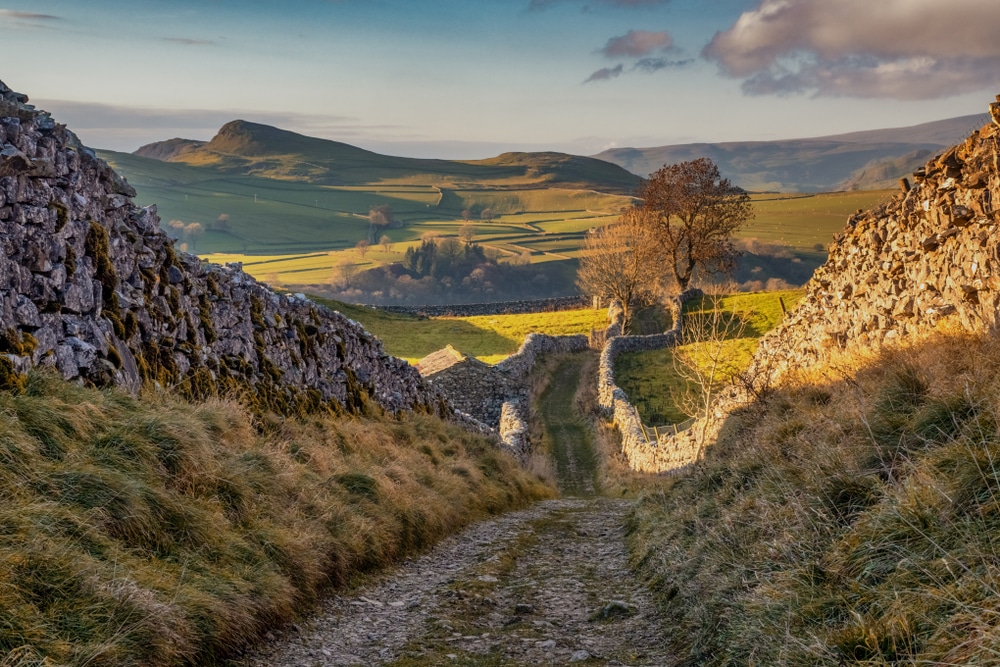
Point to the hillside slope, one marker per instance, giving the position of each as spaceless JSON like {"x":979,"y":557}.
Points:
{"x":251,"y":148}
{"x":858,"y":160}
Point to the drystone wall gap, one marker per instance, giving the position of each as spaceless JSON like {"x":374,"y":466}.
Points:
{"x":91,"y":288}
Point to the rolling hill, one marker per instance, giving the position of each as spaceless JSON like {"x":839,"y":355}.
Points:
{"x":261,"y":150}
{"x":867,"y":160}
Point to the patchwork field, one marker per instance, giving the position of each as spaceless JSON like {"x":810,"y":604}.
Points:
{"x":293,"y":229}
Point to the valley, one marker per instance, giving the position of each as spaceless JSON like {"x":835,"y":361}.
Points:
{"x":293,"y":209}
{"x":194,"y":464}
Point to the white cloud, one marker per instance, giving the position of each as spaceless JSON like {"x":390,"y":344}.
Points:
{"x":26,"y":16}
{"x":901,"y":49}
{"x":17,"y":20}
{"x":188,"y":41}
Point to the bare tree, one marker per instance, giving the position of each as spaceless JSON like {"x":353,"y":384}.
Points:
{"x":380,"y":218}
{"x":344,"y":274}
{"x":362,"y":247}
{"x":381,"y":215}
{"x":467,"y":214}
{"x":621,"y":261}
{"x":467,"y":233}
{"x":176,"y":228}
{"x":193,"y":232}
{"x":696,"y":213}
{"x":486,"y":215}
{"x":222,"y":222}
{"x":708,"y":359}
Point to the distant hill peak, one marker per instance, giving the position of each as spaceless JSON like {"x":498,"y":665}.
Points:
{"x":165,"y":151}
{"x":242,"y":137}
{"x":262,"y":150}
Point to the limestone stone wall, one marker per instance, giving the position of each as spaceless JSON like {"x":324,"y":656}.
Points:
{"x":474,"y":387}
{"x":494,"y":308}
{"x":514,"y":426}
{"x":496,"y":396}
{"x":644,"y":449}
{"x":931,"y":252}
{"x":91,"y":288}
{"x":519,"y":364}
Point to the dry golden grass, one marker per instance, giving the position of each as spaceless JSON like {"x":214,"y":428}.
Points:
{"x":852,"y":519}
{"x":160,"y":532}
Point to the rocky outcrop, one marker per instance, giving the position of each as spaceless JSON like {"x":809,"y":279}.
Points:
{"x":932,"y":252}
{"x":91,"y":288}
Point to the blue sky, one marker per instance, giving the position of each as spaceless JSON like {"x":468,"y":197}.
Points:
{"x":473,"y":78}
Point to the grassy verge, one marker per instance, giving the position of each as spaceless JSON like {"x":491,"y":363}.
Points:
{"x":652,"y":380}
{"x":158,"y":532}
{"x":852,"y":519}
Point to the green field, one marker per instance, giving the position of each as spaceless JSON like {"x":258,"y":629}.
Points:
{"x":651,"y":379}
{"x":800,"y":221}
{"x":489,"y":338}
{"x":297,"y":233}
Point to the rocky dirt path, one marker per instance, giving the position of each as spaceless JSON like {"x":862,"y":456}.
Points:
{"x":548,"y":585}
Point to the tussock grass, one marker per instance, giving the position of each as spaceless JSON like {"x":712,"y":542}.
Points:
{"x":155,"y":531}
{"x":853,"y":519}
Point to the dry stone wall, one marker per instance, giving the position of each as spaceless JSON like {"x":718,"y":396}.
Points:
{"x":519,"y":364}
{"x":932,"y":252}
{"x":645,"y":449}
{"x":91,"y":288}
{"x":496,"y":396}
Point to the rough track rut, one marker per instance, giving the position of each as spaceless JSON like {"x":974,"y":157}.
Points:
{"x":548,"y":585}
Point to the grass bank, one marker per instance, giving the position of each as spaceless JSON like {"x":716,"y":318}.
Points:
{"x":155,"y":531}
{"x":851,"y":519}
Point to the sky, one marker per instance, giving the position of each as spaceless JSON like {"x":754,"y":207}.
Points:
{"x":473,"y":78}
